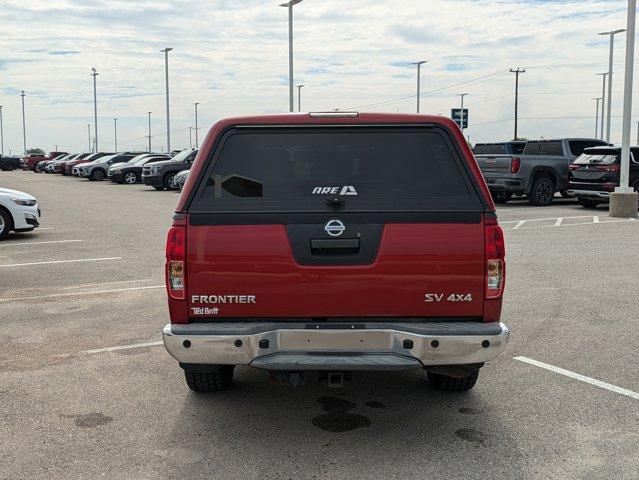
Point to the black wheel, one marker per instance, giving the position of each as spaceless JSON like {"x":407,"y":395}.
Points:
{"x":501,"y":197}
{"x":588,"y":203}
{"x":97,"y":174}
{"x":217,"y":380}
{"x":130,"y":178}
{"x":169,"y":181}
{"x":6,"y":223}
{"x":565,"y":194}
{"x":542,"y":192}
{"x":453,"y":384}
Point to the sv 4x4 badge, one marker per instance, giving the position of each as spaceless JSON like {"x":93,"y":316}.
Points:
{"x":453,"y":297}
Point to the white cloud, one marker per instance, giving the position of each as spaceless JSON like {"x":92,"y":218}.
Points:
{"x":232,"y":56}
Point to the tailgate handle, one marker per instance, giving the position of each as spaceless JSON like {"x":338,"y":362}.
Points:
{"x":341,"y":246}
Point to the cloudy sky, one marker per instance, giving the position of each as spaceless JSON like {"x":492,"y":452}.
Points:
{"x":232,"y":57}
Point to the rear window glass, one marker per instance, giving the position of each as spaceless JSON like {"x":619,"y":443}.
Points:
{"x":603,"y":158}
{"x":487,"y":149}
{"x":518,"y":148}
{"x":303,"y":170}
{"x":544,"y":148}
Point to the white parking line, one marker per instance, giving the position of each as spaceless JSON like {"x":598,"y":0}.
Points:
{"x":62,"y":261}
{"x":543,"y":219}
{"x":558,"y":222}
{"x":519,"y":224}
{"x":582,"y":378}
{"x":55,"y":295}
{"x":122,"y":347}
{"x":10,"y":244}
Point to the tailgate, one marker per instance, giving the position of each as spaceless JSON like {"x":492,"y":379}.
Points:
{"x":408,"y":269}
{"x":494,"y":163}
{"x":335,"y":222}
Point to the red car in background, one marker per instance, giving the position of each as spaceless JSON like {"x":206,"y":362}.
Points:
{"x":30,"y":162}
{"x":68,"y":165}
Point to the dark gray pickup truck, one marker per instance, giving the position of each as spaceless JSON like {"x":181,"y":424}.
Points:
{"x":538,"y":173}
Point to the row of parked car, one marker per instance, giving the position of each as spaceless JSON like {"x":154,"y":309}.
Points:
{"x":158,"y":170}
{"x":585,"y":168}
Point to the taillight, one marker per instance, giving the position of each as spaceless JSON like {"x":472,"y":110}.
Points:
{"x":515,"y":164}
{"x":494,"y":251}
{"x":175,"y":257}
{"x":573,"y":167}
{"x":608,"y":168}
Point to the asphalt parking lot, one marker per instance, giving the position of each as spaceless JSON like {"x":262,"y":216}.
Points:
{"x":92,"y":279}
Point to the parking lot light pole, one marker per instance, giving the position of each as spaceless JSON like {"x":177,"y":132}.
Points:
{"x":419,"y":79}
{"x":89,"y":132}
{"x":196,"y":136}
{"x":115,"y":134}
{"x":149,"y":135}
{"x":168,"y":119}
{"x":517,"y":71}
{"x":299,"y":97}
{"x":598,"y":99}
{"x":603,"y":102}
{"x":24,"y":126}
{"x":1,"y":134}
{"x":623,"y":201}
{"x":612,"y":34}
{"x":290,"y":4}
{"x":95,"y":109}
{"x":461,"y":114}
{"x":190,"y":137}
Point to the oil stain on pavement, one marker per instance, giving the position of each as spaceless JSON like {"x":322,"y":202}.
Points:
{"x":89,"y":420}
{"x":338,"y":419}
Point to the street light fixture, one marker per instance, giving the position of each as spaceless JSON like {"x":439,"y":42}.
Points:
{"x":612,"y":34}
{"x":299,"y":96}
{"x":95,"y":109}
{"x":290,"y":4}
{"x":196,"y":129}
{"x":603,"y":101}
{"x":419,"y":65}
{"x":168,"y":121}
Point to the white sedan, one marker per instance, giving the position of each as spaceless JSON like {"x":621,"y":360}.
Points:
{"x":19,"y":212}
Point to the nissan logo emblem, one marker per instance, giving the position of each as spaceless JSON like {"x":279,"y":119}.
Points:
{"x":334,"y":228}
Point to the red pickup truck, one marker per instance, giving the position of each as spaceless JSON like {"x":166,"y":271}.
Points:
{"x":331,"y":243}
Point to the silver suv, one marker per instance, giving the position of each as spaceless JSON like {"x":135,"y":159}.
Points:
{"x":97,"y":170}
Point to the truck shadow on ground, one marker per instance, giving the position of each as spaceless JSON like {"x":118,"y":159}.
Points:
{"x":377,"y":419}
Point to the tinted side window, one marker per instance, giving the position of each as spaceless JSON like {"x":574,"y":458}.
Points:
{"x":551,"y":148}
{"x":299,"y":170}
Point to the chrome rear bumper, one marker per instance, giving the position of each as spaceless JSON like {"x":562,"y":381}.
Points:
{"x":357,"y":346}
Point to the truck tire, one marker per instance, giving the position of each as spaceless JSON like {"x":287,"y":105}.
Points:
{"x":217,"y":380}
{"x":453,"y":384}
{"x":501,"y":197}
{"x":542,"y":192}
{"x":584,"y":202}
